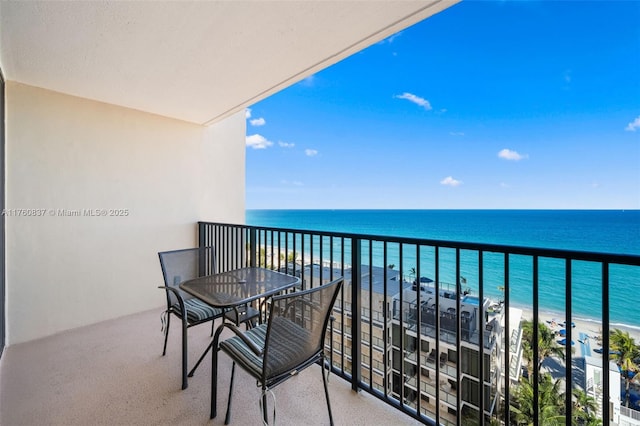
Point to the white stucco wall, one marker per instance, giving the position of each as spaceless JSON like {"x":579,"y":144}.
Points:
{"x":72,"y":154}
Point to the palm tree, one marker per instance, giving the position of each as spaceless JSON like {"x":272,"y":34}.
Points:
{"x":413,"y":273}
{"x":547,"y":346}
{"x":585,"y":408}
{"x":550,"y":402}
{"x":624,"y":351}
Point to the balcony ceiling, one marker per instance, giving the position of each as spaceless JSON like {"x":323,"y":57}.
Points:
{"x":194,"y":61}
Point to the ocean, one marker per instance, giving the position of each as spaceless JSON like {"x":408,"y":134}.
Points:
{"x":603,"y":231}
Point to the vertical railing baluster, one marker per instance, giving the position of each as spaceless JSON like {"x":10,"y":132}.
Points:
{"x":252,"y":247}
{"x":356,"y":318}
{"x":507,"y":361}
{"x":568,"y":363}
{"x":437,"y":328}
{"x":386,"y":319}
{"x":230,"y":247}
{"x":371,"y":314}
{"x":331,"y":258}
{"x":536,"y":337}
{"x":286,"y":251}
{"x":271,"y":244}
{"x":311,"y":274}
{"x":402,"y":327}
{"x":418,"y":333}
{"x":343,"y":292}
{"x":302,"y":260}
{"x":606,"y":344}
{"x":481,"y":420}
{"x":294,"y":243}
{"x":321,"y":254}
{"x":201,"y":234}
{"x":458,"y":340}
{"x":278,"y":252}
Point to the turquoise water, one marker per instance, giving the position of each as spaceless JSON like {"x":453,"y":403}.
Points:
{"x":604,"y":231}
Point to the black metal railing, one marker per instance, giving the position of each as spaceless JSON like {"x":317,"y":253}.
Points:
{"x":408,"y":338}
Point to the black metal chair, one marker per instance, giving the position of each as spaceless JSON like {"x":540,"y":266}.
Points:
{"x":292,"y":339}
{"x":179,"y":266}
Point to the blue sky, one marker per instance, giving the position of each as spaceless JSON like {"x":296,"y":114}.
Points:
{"x":496,"y":104}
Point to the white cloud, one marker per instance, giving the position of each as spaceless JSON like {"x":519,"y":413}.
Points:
{"x":504,"y":185}
{"x":450,"y":181}
{"x":247,"y":113}
{"x":286,"y":144}
{"x":258,"y":122}
{"x":635,"y":124}
{"x":310,"y":152}
{"x":258,"y":142}
{"x":507,"y":154}
{"x":415,"y":99}
{"x":456,"y":133}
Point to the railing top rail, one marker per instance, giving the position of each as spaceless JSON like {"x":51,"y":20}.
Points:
{"x":623,"y":259}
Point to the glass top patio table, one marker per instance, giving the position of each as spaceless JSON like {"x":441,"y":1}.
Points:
{"x":239,"y":286}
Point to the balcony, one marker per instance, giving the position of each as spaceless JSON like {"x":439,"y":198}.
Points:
{"x":438,"y":323}
{"x":112,"y":372}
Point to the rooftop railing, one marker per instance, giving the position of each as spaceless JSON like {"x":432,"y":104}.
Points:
{"x":375,"y":344}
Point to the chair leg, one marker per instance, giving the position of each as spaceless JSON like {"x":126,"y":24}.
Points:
{"x":227,"y":418}
{"x":214,"y":373}
{"x":326,"y":392}
{"x":265,"y":415}
{"x":184,"y":355}
{"x":166,"y":334}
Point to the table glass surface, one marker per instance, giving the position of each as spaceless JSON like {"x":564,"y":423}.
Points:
{"x":239,"y":286}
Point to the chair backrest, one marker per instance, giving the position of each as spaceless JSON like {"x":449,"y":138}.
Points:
{"x":186,"y":264}
{"x":296,"y":330}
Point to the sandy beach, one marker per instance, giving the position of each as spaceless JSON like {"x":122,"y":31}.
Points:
{"x":586,"y":333}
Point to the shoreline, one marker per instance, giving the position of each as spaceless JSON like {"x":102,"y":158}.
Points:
{"x":555,"y":312}
{"x":585,"y":333}
{"x":546,"y":314}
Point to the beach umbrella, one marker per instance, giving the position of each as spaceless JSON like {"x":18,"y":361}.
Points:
{"x":564,"y":342}
{"x":562,"y":332}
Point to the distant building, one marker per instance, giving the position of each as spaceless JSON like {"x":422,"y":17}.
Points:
{"x":408,"y":306}
{"x":588,"y":377}
{"x":391,"y":341}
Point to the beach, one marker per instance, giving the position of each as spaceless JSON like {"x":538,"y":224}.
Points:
{"x":586,"y":333}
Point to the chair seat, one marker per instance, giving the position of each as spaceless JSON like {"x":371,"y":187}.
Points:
{"x":198,"y":311}
{"x":286,"y":352}
{"x":242,"y":354}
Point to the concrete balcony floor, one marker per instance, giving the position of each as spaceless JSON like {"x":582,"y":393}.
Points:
{"x":112,"y":373}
